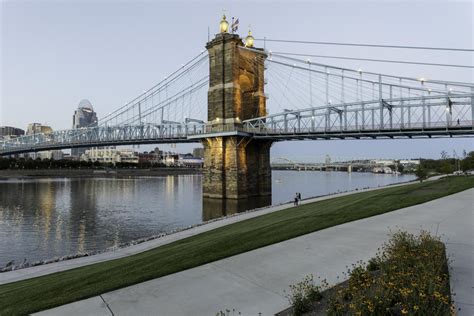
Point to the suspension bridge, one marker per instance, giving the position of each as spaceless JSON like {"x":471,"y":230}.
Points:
{"x":250,"y":96}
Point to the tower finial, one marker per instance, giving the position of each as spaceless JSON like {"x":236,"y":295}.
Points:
{"x":224,"y":25}
{"x":249,"y":39}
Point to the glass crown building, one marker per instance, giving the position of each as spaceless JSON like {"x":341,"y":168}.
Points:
{"x":84,"y":116}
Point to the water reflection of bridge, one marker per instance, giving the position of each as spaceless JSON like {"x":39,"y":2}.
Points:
{"x":215,"y":208}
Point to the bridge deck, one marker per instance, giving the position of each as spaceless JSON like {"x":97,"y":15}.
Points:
{"x":455,"y":131}
{"x":275,"y":134}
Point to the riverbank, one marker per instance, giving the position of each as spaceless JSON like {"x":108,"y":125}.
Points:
{"x":243,"y":235}
{"x":74,"y":173}
{"x":64,"y":218}
{"x":94,"y":256}
{"x":118,"y":173}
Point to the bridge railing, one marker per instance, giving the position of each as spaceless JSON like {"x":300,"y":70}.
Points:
{"x":462,"y":125}
{"x":101,"y":136}
{"x":421,"y":113}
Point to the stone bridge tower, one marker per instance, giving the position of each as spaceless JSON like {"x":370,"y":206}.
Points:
{"x":236,"y":165}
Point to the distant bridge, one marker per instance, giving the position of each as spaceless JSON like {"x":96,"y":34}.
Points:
{"x":282,"y":163}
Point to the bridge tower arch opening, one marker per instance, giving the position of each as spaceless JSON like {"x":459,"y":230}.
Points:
{"x":236,"y":165}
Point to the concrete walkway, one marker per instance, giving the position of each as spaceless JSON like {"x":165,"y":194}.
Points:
{"x":254,"y":282}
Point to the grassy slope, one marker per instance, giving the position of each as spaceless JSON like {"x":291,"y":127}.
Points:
{"x":60,"y":288}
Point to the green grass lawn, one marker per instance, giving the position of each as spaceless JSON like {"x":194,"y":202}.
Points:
{"x":48,"y":291}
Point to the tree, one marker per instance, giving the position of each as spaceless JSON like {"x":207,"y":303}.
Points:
{"x":468,"y":162}
{"x":446,"y":166}
{"x":400,"y":168}
{"x":421,"y":173}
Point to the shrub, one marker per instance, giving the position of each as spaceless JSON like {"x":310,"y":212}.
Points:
{"x":304,"y":293}
{"x":421,"y":173}
{"x":409,"y":276}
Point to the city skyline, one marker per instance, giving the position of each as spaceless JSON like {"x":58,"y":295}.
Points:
{"x":109,"y":62}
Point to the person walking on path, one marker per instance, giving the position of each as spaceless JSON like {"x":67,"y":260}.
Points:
{"x":296,"y":200}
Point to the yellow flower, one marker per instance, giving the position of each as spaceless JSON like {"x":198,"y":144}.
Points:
{"x":404,"y":311}
{"x":416,"y":307}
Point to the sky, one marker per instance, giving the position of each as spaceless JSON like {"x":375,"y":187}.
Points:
{"x":55,"y":53}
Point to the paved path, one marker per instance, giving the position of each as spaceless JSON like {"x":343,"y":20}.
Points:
{"x":255,"y":281}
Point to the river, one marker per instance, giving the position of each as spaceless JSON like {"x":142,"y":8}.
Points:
{"x":42,"y":218}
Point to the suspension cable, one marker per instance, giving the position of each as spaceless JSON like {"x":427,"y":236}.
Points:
{"x":376,"y":60}
{"x":367,"y":45}
{"x":179,"y":72}
{"x":465,"y":84}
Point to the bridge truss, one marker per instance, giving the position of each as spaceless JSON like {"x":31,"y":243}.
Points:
{"x":319,"y":101}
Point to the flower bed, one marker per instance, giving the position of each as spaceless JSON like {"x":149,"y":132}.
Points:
{"x":409,"y":276}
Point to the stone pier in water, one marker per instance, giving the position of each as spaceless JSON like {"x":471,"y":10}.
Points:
{"x":236,"y":165}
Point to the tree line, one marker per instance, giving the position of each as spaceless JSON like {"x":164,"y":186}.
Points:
{"x":446,"y":165}
{"x":22,"y":163}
